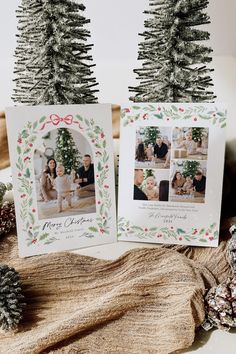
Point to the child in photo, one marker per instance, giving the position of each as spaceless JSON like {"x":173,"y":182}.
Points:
{"x":63,"y":187}
{"x":149,"y":152}
{"x":150,"y":189}
{"x":188,"y":185}
{"x":189,"y":144}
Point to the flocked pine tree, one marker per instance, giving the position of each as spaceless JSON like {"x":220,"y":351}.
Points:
{"x":52,"y":61}
{"x":66,"y":151}
{"x":27,"y":37}
{"x":175,"y":61}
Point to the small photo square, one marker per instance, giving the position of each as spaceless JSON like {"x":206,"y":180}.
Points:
{"x":190,"y":143}
{"x":188,"y":181}
{"x":151,"y":185}
{"x":152,"y":148}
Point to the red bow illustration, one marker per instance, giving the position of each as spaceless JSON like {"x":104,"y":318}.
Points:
{"x":56,"y":119}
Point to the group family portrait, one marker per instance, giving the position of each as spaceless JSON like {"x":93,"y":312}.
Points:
{"x":188,"y":181}
{"x":151,"y":185}
{"x":190,"y":143}
{"x":152,"y":148}
{"x":64,"y":174}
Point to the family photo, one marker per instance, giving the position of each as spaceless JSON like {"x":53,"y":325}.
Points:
{"x":64,"y":174}
{"x":188,"y":181}
{"x":151,"y":185}
{"x":190,"y":143}
{"x":152,"y":148}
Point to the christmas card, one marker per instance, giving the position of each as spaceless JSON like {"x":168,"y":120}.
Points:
{"x":171,"y":173}
{"x":63,"y":176}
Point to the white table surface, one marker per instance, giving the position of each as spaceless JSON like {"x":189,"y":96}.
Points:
{"x":212,"y":342}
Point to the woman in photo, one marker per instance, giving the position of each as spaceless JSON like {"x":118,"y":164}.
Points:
{"x":140,"y":150}
{"x":47,"y":181}
{"x":178,"y":182}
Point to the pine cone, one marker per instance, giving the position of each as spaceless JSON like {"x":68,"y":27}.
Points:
{"x":220,"y":301}
{"x":10,"y":298}
{"x":3,"y":190}
{"x":7,"y":217}
{"x":221,"y":306}
{"x":231,"y":249}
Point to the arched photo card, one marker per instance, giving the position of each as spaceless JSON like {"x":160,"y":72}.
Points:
{"x":63,"y":176}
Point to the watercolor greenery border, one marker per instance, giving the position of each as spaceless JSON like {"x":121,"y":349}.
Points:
{"x":170,"y":113}
{"x":167,"y":234}
{"x":174,"y":112}
{"x":24,"y":165}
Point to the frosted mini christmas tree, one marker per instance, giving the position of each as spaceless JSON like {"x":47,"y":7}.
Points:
{"x":174,"y":61}
{"x":52,"y":61}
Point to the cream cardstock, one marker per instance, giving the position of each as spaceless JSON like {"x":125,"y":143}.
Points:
{"x":171,"y":173}
{"x":83,"y":221}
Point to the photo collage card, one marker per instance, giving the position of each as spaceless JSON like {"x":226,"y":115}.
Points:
{"x":170,"y":187}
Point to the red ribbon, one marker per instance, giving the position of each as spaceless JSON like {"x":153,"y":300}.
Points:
{"x":56,"y":119}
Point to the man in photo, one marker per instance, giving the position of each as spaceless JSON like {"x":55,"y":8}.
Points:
{"x":199,"y":183}
{"x":138,"y":180}
{"x":86,"y":178}
{"x":161,"y":151}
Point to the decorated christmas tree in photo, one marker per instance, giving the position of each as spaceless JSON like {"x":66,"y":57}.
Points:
{"x":66,"y":152}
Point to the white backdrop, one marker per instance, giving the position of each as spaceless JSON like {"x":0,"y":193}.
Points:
{"x":114,"y":28}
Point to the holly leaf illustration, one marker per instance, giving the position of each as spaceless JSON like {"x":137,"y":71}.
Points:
{"x":93,"y":229}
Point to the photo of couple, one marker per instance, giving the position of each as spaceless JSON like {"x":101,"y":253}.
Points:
{"x":190,"y":143}
{"x":64,"y":174}
{"x":151,"y":185}
{"x":188,"y":181}
{"x":152,"y":149}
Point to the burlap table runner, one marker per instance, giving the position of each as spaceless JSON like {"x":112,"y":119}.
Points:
{"x":146,"y":301}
